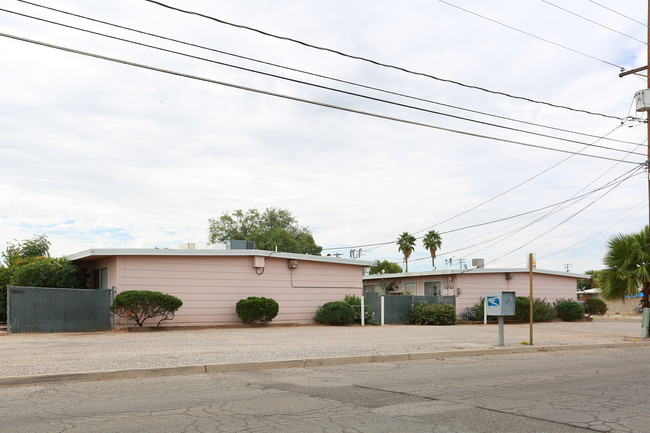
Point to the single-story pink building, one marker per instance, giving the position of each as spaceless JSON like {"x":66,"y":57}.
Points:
{"x":469,"y":285}
{"x":211,"y":282}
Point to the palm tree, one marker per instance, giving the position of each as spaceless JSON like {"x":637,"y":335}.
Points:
{"x":406,"y":244}
{"x":432,"y":241}
{"x":628,"y":267}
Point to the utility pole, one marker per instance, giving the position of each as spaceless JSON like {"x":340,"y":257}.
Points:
{"x":634,"y":71}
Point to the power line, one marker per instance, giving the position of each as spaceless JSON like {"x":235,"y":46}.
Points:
{"x":303,"y":100}
{"x":564,"y":221}
{"x":529,"y":34}
{"x":378,"y":63}
{"x":579,"y":197}
{"x":618,"y":13}
{"x":557,"y":209}
{"x":510,"y":189}
{"x":291,"y":69}
{"x":315,"y":85}
{"x":593,"y":22}
{"x":643,"y":207}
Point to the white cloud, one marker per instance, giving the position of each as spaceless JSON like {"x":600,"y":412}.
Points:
{"x":99,"y":154}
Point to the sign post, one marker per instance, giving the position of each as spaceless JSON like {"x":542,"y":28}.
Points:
{"x":500,"y":304}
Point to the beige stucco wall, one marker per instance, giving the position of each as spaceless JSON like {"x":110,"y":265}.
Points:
{"x":210,"y":286}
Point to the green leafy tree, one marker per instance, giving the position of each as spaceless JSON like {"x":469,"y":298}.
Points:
{"x":406,"y":244}
{"x":274,"y":227}
{"x":628,"y":267}
{"x":48,"y":272}
{"x":387,"y":268}
{"x":432,"y":241}
{"x":590,"y":283}
{"x":16,"y":255}
{"x":39,"y":246}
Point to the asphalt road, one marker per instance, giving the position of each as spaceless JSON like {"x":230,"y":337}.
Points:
{"x":573,"y":391}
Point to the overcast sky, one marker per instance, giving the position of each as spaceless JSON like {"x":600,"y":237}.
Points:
{"x":95,"y":153}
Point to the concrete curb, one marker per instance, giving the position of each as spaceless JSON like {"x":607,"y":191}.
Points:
{"x":293,"y":363}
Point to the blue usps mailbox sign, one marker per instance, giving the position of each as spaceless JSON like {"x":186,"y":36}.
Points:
{"x":500,"y":303}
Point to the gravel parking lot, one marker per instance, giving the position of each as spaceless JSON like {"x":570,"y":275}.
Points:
{"x":37,"y":354}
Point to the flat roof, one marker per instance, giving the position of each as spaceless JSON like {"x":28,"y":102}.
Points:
{"x":472,"y":271}
{"x":99,"y":253}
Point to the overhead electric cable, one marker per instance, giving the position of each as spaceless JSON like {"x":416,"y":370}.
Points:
{"x":297,"y":99}
{"x":510,"y":189}
{"x":643,"y":207}
{"x":318,"y":75}
{"x":618,"y":13}
{"x":553,"y":211}
{"x":385,"y":101}
{"x":593,"y":22}
{"x":559,"y":206}
{"x":529,"y":34}
{"x":378,"y":63}
{"x":607,"y":185}
{"x":565,"y":220}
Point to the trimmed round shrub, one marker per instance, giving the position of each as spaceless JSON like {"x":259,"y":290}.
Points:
{"x":335,"y":313}
{"x":595,"y":306}
{"x":140,"y":305}
{"x":436,"y":314}
{"x":257,"y":310}
{"x":570,"y":310}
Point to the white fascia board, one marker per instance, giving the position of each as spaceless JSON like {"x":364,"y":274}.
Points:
{"x":105,"y":252}
{"x":470,"y":271}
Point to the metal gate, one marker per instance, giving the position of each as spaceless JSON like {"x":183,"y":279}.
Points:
{"x":397,"y":308}
{"x":38,"y":309}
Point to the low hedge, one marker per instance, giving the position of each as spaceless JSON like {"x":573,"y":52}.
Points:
{"x":335,"y":313}
{"x":140,"y":305}
{"x":257,"y":309}
{"x":543,"y":311}
{"x":436,"y":314}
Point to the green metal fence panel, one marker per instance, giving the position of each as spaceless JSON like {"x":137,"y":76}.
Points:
{"x":397,"y":308}
{"x":39,"y":309}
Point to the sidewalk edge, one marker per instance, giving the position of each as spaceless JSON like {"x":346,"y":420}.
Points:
{"x":294,"y":363}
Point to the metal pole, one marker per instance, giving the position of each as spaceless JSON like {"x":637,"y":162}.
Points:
{"x":363,"y":311}
{"x":530,"y":267}
{"x":382,"y":311}
{"x":485,"y":311}
{"x":501,"y":339}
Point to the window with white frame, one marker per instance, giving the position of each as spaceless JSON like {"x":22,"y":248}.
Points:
{"x":432,"y":288}
{"x":410,"y":288}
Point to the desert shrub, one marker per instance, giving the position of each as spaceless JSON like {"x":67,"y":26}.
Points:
{"x":335,"y":313}
{"x":570,"y":310}
{"x":436,"y":314}
{"x":595,"y":306}
{"x":140,"y":305}
{"x":355,"y":303}
{"x":254,"y":309}
{"x":543,"y":311}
